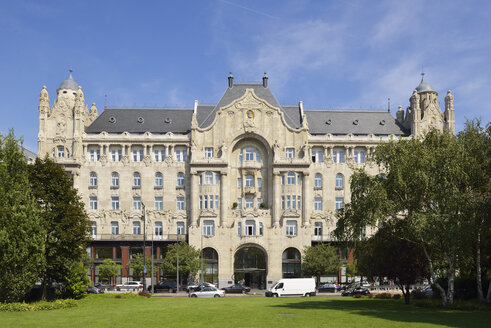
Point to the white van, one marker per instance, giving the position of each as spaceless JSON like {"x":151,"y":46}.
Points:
{"x":293,"y":287}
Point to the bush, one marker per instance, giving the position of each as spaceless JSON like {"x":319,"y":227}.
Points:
{"x":371,"y":295}
{"x":384,"y":296}
{"x":144,"y":293}
{"x":38,"y":306}
{"x":118,"y":296}
{"x":396,"y":296}
{"x":357,"y":296}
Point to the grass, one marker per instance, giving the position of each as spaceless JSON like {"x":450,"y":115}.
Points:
{"x":137,"y":311}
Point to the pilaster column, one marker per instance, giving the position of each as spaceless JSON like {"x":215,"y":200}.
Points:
{"x":276,"y":199}
{"x":193,"y":198}
{"x":307,"y":199}
{"x":223,"y":199}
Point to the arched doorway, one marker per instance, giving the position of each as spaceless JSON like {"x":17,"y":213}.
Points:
{"x":291,"y":263}
{"x":250,"y":267}
{"x":210,"y":259}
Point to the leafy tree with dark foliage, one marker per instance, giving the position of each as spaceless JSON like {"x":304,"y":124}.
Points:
{"x":21,"y":232}
{"x":189,"y":261}
{"x":389,"y":254}
{"x":63,"y":218}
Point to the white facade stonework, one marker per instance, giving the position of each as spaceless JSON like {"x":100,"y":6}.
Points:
{"x":245,"y":173}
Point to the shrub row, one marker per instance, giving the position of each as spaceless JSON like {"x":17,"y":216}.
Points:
{"x":38,"y":306}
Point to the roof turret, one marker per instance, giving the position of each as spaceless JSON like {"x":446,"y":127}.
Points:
{"x":69,"y":83}
{"x":423,"y":86}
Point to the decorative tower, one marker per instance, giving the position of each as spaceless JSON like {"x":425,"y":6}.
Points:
{"x":449,"y":113}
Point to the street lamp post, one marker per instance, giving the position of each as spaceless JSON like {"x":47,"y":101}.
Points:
{"x":144,"y":255}
{"x":201,"y":254}
{"x":177,"y":267}
{"x":152,"y":281}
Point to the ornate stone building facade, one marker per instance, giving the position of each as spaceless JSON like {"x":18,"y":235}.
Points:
{"x":248,"y":180}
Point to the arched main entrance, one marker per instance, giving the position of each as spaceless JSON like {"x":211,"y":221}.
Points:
{"x":250,"y":267}
{"x":210,"y":259}
{"x":291,"y":263}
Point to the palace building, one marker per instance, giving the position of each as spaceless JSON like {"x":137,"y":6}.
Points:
{"x":249,"y":181}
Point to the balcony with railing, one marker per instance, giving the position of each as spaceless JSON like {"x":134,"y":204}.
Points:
{"x":135,"y":237}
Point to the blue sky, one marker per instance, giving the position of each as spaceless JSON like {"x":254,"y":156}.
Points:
{"x":329,"y":54}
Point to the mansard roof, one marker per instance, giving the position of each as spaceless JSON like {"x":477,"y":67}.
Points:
{"x":355,"y":122}
{"x":163,"y":120}
{"x":141,"y":120}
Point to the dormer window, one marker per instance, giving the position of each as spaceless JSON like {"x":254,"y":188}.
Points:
{"x":317,"y":155}
{"x":94,"y":154}
{"x":137,"y":154}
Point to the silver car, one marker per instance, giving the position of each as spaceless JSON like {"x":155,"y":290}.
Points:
{"x":208,"y":292}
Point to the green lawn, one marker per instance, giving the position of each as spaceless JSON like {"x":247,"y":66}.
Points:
{"x":136,"y":311}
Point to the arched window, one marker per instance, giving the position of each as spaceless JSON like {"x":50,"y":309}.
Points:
{"x":93,"y":179}
{"x":180,"y":179}
{"x":208,"y":178}
{"x":210,"y":257}
{"x":291,"y":263}
{"x":137,"y":180}
{"x":339,"y":181}
{"x":290,"y":178}
{"x":115,"y":179}
{"x":318,"y":181}
{"x":159,"y":180}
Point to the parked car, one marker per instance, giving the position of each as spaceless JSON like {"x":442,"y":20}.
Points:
{"x":130,"y":285}
{"x":168,"y":286}
{"x":428,"y":291}
{"x":102,"y":286}
{"x":236,"y":289}
{"x":329,"y":288}
{"x":208,"y":292}
{"x":356,"y":291}
{"x":94,"y":290}
{"x":199,"y":286}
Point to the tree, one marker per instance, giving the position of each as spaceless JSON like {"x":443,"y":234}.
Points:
{"x":320,"y":259}
{"x":21,"y":233}
{"x":424,"y":185}
{"x":63,"y":218}
{"x":136,"y":264}
{"x":476,"y":143}
{"x":75,"y":281}
{"x":387,"y":254}
{"x":108,"y":269}
{"x":352,"y":269}
{"x":189,"y":260}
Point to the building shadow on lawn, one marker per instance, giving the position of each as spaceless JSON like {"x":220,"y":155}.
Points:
{"x":396,"y":311}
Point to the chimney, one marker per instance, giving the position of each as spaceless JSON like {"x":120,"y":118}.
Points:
{"x":230,"y":80}
{"x":265,"y":80}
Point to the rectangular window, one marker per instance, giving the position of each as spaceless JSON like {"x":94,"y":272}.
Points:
{"x":249,"y":202}
{"x":338,"y":156}
{"x":116,"y":154}
{"x":180,"y":179}
{"x":115,"y":203}
{"x":339,"y":203}
{"x":249,"y":154}
{"x":159,"y":154}
{"x":114,"y":228}
{"x":180,"y":203}
{"x":94,"y":154}
{"x":250,"y":228}
{"x":115,"y":180}
{"x":259,"y":183}
{"x":282,"y":179}
{"x":291,"y":228}
{"x":317,"y":155}
{"x":259,"y":202}
{"x":208,"y":228}
{"x":318,"y":203}
{"x":294,"y":202}
{"x":137,"y":228}
{"x":288,"y":202}
{"x":217,"y":201}
{"x":205,"y":201}
{"x":261,"y":228}
{"x":158,"y":228}
{"x":137,"y":154}
{"x":208,"y":152}
{"x":290,"y":153}
{"x":359,"y":156}
{"x":299,"y":202}
{"x":239,"y":182}
{"x":180,"y":228}
{"x":249,"y":181}
{"x":137,"y":203}
{"x":93,"y":203}
{"x":200,"y":202}
{"x":239,"y":203}
{"x":180,"y":154}
{"x":239,"y":228}
{"x":283,"y":202}
{"x":61,"y":151}
{"x":318,"y":229}
{"x":159,"y":203}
